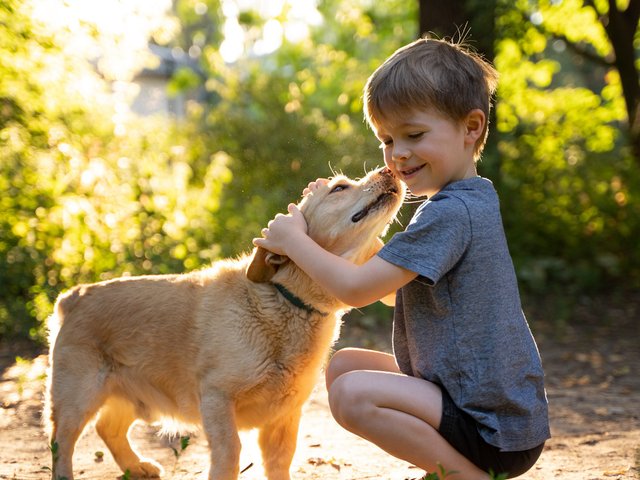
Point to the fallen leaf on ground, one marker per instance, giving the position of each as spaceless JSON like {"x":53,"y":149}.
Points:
{"x":615,"y":473}
{"x":316,"y":461}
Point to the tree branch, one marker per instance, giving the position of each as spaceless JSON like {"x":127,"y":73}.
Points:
{"x":583,"y":52}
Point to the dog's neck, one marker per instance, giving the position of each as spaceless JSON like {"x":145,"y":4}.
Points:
{"x":296,"y":301}
{"x":305,"y":290}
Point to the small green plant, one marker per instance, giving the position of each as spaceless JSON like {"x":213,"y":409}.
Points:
{"x":53,"y":447}
{"x":126,"y":475}
{"x":184,"y":443}
{"x":438,"y":476}
{"x":442,"y":474}
{"x":499,"y":476}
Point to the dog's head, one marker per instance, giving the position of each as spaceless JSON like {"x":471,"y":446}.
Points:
{"x":345,"y":217}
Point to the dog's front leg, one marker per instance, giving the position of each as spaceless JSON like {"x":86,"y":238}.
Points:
{"x":278,"y":444}
{"x":218,"y":421}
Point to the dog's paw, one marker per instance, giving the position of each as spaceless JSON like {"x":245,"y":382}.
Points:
{"x":145,"y":469}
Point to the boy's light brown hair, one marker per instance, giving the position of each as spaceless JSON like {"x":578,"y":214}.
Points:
{"x":431,"y":74}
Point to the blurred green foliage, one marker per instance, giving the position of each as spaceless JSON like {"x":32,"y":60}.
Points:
{"x":79,"y":203}
{"x":568,"y":181}
{"x":85,"y":198}
{"x":294,"y":116}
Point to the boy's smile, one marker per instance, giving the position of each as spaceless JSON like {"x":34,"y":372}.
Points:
{"x":408,"y":173}
{"x":428,"y":150}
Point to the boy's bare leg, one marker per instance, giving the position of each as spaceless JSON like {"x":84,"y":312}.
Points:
{"x":400,"y":414}
{"x":349,"y":359}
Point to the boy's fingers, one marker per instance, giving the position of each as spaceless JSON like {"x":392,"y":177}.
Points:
{"x":309,"y":188}
{"x":312,"y":186}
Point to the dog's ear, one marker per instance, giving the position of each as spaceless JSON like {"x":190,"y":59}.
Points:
{"x":264,"y":265}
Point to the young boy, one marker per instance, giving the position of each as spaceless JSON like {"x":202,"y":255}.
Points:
{"x":464,"y":388}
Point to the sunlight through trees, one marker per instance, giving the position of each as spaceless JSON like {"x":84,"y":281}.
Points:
{"x":265,"y":97}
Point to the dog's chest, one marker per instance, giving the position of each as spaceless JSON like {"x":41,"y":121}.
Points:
{"x":281,"y":391}
{"x":283,"y":378}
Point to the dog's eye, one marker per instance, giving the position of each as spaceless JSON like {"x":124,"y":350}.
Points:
{"x":339,"y":188}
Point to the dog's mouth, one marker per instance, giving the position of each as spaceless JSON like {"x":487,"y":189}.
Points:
{"x":377,"y":203}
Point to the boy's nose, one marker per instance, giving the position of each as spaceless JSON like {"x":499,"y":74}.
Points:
{"x":400,"y":153}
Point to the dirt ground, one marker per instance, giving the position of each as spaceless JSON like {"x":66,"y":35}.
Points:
{"x":593,"y":386}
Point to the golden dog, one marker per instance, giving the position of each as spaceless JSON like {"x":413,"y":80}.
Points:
{"x":236,"y":346}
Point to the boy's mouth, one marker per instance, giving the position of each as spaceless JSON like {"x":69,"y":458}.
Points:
{"x":410,"y":171}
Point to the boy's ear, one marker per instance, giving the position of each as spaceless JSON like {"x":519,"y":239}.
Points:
{"x":474,"y":125}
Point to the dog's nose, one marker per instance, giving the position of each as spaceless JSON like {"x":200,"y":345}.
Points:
{"x":386,"y":171}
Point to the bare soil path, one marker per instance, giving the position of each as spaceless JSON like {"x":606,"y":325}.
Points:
{"x":593,"y":385}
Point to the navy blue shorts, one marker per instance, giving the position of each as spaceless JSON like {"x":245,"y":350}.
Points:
{"x":460,"y":430}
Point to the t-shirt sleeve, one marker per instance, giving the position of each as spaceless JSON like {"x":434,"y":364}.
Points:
{"x":434,"y":241}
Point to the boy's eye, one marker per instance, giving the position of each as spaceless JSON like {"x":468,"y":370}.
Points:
{"x":416,"y":135}
{"x":386,"y":143}
{"x":339,"y":188}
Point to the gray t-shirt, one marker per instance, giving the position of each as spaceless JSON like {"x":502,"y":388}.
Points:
{"x":460,"y":322}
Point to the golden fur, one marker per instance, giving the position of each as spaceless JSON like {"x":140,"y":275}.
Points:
{"x":220,"y":348}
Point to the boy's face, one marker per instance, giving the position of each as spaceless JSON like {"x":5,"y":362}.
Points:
{"x":428,"y":150}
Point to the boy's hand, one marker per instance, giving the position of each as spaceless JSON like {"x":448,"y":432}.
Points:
{"x":282,"y":230}
{"x":314,"y":186}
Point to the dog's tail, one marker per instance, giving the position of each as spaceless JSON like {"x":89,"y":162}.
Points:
{"x":64,"y":304}
{"x":53,"y":326}
{"x":47,"y":414}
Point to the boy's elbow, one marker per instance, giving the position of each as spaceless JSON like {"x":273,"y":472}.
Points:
{"x":355,"y":288}
{"x":356,"y":298}
{"x":359,"y":303}
{"x":389,"y":300}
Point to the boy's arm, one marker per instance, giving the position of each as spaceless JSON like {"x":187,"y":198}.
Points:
{"x":389,"y":300}
{"x":355,"y":285}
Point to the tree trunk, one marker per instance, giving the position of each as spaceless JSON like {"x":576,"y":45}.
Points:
{"x":621,"y":27}
{"x":473,"y":20}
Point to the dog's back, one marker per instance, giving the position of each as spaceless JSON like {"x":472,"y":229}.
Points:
{"x":125,"y":332}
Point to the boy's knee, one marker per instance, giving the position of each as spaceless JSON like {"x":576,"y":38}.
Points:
{"x":338,"y":365}
{"x":349,"y":401}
